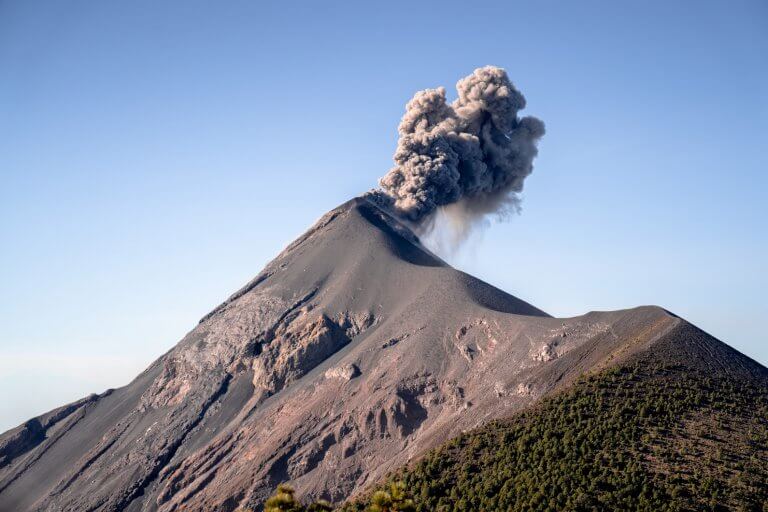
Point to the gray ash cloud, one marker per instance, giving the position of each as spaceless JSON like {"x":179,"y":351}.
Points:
{"x":474,"y":152}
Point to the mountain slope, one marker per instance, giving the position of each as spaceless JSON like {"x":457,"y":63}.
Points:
{"x":351,"y":353}
{"x":657,"y":433}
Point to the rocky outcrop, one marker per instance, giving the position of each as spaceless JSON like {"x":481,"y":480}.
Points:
{"x":301,"y":343}
{"x":20,"y":440}
{"x":32,"y":433}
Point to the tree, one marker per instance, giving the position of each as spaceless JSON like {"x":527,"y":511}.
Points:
{"x":284,"y":501}
{"x":394,"y":499}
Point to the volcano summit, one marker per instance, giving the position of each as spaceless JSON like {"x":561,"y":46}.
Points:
{"x":353,"y":352}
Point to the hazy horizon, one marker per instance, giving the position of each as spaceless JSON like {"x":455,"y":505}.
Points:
{"x":155,"y":157}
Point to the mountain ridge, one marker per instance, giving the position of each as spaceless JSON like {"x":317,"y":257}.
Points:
{"x":353,"y":351}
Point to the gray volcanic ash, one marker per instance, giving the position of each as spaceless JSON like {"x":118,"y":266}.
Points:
{"x":474,"y":153}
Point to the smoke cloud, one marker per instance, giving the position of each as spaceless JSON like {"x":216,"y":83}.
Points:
{"x":472,"y":154}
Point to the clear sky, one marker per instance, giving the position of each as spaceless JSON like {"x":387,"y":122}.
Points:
{"x":155,"y":155}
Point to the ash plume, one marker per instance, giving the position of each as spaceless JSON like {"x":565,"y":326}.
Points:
{"x":472,"y":154}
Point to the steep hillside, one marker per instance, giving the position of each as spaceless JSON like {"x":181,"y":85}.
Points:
{"x":355,"y":351}
{"x":662,"y":432}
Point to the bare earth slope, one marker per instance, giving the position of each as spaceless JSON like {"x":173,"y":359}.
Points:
{"x":352,"y":352}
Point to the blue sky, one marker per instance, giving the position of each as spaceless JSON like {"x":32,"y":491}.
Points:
{"x":155,"y":155}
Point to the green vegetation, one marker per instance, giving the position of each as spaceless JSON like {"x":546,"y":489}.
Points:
{"x":637,"y":438}
{"x":284,"y":501}
{"x":393,"y":498}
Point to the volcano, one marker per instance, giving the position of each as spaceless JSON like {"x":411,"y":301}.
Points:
{"x":353,"y":352}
